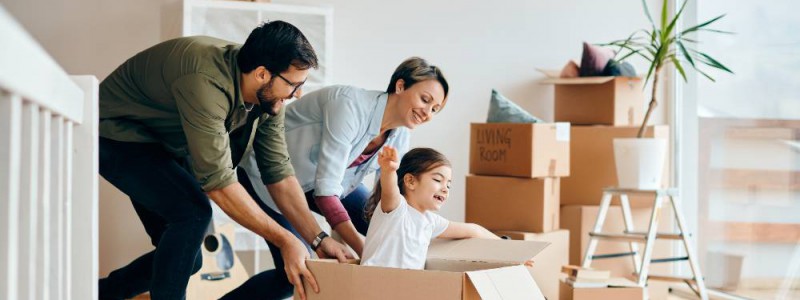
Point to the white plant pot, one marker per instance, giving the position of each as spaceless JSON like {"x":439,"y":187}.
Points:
{"x":640,"y":162}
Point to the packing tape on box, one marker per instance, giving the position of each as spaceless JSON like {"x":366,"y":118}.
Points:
{"x":631,"y":115}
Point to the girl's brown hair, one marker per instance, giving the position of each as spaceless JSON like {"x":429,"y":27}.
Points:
{"x":416,"y":162}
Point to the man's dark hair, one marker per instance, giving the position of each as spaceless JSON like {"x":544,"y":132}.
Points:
{"x":276,"y":45}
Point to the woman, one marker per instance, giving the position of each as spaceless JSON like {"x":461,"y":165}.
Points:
{"x":332,"y":136}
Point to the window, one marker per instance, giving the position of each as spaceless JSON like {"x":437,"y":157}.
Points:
{"x":740,"y":149}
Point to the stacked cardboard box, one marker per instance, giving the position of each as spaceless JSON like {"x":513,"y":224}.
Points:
{"x":514,"y":185}
{"x":600,"y":110}
{"x":579,"y":220}
{"x":587,"y":284}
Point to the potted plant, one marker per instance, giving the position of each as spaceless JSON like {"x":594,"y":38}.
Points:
{"x":662,"y":46}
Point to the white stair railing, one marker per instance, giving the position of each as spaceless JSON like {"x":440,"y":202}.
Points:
{"x":48,"y":173}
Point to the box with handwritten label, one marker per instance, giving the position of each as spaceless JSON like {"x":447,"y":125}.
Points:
{"x":519,"y":150}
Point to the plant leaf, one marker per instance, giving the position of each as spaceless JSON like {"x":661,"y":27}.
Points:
{"x":704,"y":74}
{"x":714,"y":63}
{"x":685,"y":53}
{"x":696,"y":27}
{"x":716,"y":31}
{"x":638,"y":52}
{"x":647,"y":13}
{"x":678,"y":66}
{"x":675,"y":19}
{"x":663,"y":19}
{"x":650,"y":70}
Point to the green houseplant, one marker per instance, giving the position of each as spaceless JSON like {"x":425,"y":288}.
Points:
{"x":640,"y":161}
{"x":663,"y":46}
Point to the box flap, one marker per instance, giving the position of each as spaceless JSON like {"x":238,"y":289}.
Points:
{"x":493,"y":251}
{"x":513,"y":282}
{"x":578,"y":80}
{"x":550,"y":73}
{"x":553,"y":77}
{"x":621,"y":282}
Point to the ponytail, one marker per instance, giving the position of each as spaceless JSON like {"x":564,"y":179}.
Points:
{"x":372,"y":202}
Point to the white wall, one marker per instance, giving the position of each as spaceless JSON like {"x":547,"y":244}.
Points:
{"x":479,"y":44}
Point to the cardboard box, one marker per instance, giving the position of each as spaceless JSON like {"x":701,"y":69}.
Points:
{"x":579,"y":220}
{"x":547,"y":264}
{"x":455,"y":269}
{"x":593,"y":167}
{"x":616,"y":101}
{"x":723,"y":271}
{"x":512,"y":203}
{"x":567,"y":292}
{"x":521,"y":150}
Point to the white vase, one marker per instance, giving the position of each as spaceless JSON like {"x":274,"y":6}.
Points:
{"x":640,"y":162}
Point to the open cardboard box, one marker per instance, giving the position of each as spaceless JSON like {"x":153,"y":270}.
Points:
{"x":546,"y":268}
{"x":607,"y":100}
{"x":455,"y":269}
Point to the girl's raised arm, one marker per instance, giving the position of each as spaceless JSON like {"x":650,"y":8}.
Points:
{"x":458,"y":230}
{"x":389,"y":162}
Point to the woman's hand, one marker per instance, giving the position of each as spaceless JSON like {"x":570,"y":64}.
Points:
{"x":329,"y":248}
{"x":388,"y":159}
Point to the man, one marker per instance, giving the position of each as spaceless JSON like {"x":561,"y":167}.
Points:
{"x":174,"y":122}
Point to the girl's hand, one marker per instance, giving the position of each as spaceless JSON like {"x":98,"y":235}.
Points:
{"x":388,"y":159}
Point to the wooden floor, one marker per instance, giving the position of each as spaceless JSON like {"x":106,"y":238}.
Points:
{"x":765,"y":294}
{"x":751,"y":294}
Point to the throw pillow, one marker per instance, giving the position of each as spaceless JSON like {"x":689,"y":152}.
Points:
{"x":503,"y":110}
{"x":594,"y":60}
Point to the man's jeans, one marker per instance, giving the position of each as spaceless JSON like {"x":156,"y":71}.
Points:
{"x":175,"y":213}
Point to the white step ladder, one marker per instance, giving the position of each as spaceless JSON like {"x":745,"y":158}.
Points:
{"x":641,"y":262}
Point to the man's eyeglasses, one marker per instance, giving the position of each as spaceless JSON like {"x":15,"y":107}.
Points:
{"x":296,"y":86}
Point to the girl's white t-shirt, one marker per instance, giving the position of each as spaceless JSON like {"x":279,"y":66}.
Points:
{"x":400,"y":239}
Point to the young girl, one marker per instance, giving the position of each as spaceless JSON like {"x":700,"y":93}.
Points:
{"x":402,"y":219}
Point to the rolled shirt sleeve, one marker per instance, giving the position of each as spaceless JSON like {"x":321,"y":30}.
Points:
{"x":272,"y":154}
{"x":202,"y":116}
{"x":332,"y":208}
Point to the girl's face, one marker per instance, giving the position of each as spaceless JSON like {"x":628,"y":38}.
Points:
{"x":430,"y":190}
{"x":419,"y":103}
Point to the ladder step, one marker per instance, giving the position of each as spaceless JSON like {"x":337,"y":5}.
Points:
{"x":619,"y":236}
{"x":613,"y":255}
{"x":668,"y":278}
{"x":661,"y":235}
{"x":668,"y":259}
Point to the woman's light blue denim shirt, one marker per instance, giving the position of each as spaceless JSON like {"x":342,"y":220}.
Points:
{"x":326,"y":130}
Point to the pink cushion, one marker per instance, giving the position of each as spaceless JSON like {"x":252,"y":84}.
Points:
{"x":594,"y":60}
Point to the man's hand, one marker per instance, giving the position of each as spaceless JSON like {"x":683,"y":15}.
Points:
{"x":294,"y":255}
{"x":330,"y":248}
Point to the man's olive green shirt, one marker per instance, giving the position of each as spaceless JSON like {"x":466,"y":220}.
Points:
{"x":185,"y":94}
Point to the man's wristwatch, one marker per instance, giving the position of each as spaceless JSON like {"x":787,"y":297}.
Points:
{"x":318,"y":240}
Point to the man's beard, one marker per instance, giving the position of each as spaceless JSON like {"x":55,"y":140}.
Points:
{"x":269,"y":104}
